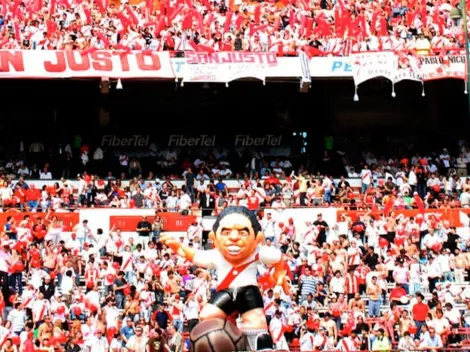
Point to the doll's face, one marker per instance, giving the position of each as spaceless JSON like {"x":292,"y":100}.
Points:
{"x":235,"y":238}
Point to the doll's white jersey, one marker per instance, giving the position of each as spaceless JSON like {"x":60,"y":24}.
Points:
{"x":242,"y":275}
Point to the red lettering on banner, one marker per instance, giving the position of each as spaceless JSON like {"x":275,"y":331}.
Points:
{"x":73,"y":60}
{"x":171,"y":222}
{"x":77,"y":62}
{"x":124,"y":60}
{"x":58,"y":66}
{"x":143,"y":64}
{"x":13,"y":60}
{"x":231,"y":58}
{"x":101,"y":61}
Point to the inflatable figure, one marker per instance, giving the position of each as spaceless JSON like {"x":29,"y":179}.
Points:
{"x":238,"y":250}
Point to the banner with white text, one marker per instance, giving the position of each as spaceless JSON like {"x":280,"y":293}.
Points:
{"x":224,"y":67}
{"x":85,"y":64}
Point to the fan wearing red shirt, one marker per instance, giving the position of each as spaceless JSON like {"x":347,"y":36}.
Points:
{"x":273,"y":180}
{"x":419,"y":313}
{"x":253,"y":201}
{"x":397,"y":293}
{"x":20,"y":194}
{"x":32,"y":198}
{"x":39,"y":227}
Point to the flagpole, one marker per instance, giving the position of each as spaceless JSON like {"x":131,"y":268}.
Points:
{"x":467,"y":48}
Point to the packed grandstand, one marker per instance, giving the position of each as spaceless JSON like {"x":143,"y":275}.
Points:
{"x":378,"y":260}
{"x":285,"y":27}
{"x":376,"y":236}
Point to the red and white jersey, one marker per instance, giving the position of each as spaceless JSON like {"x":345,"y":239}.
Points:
{"x":283,"y":238}
{"x":24,"y":234}
{"x":91,"y":275}
{"x":4,"y":335}
{"x":146,"y":298}
{"x":351,"y":284}
{"x":307,"y":342}
{"x":387,"y":43}
{"x":311,"y":234}
{"x":335,"y":46}
{"x":105,"y":273}
{"x":319,"y":342}
{"x":176,"y":310}
{"x":346,"y":345}
{"x":390,"y":262}
{"x":127,"y":259}
{"x":438,"y":42}
{"x":27,"y":298}
{"x":366,"y":176}
{"x":55,"y":306}
{"x":269,"y":307}
{"x":243,"y":275}
{"x":294,"y":319}
{"x":354,"y":256}
{"x":193,"y":231}
{"x":40,"y":309}
{"x":361,"y":273}
{"x":276,"y":327}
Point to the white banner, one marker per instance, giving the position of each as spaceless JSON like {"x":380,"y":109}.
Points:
{"x":439,"y":67}
{"x":408,"y":68}
{"x":224,"y":67}
{"x":367,"y":66}
{"x":85,"y":64}
{"x":405,"y":67}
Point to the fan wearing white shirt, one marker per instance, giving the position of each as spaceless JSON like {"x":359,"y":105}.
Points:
{"x":185,"y":202}
{"x":97,"y":343}
{"x":17,"y":318}
{"x":67,"y":283}
{"x":137,"y":342}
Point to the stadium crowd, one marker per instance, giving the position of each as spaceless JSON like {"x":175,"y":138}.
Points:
{"x":438,"y":177}
{"x":318,"y":27}
{"x":365,"y":283}
{"x":358,"y":284}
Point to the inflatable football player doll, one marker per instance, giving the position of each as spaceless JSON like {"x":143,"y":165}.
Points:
{"x":238,"y":250}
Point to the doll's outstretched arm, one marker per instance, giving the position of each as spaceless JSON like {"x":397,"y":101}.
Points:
{"x":177,"y":247}
{"x":273,"y":257}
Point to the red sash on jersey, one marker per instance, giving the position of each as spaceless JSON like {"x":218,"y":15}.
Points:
{"x":234,"y":272}
{"x":175,"y":312}
{"x":323,"y":344}
{"x":26,"y":302}
{"x":43,"y":310}
{"x":345,"y":345}
{"x":269,"y":305}
{"x":126,"y":263}
{"x":352,"y":258}
{"x":281,"y":333}
{"x":4,"y":340}
{"x":364,"y":176}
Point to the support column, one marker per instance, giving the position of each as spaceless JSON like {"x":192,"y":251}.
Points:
{"x":104,"y":117}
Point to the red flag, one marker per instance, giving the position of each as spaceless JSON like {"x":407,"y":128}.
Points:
{"x":228,"y":21}
{"x":257,"y":14}
{"x":187,"y":21}
{"x":310,"y":51}
{"x":388,"y":206}
{"x":419,"y":203}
